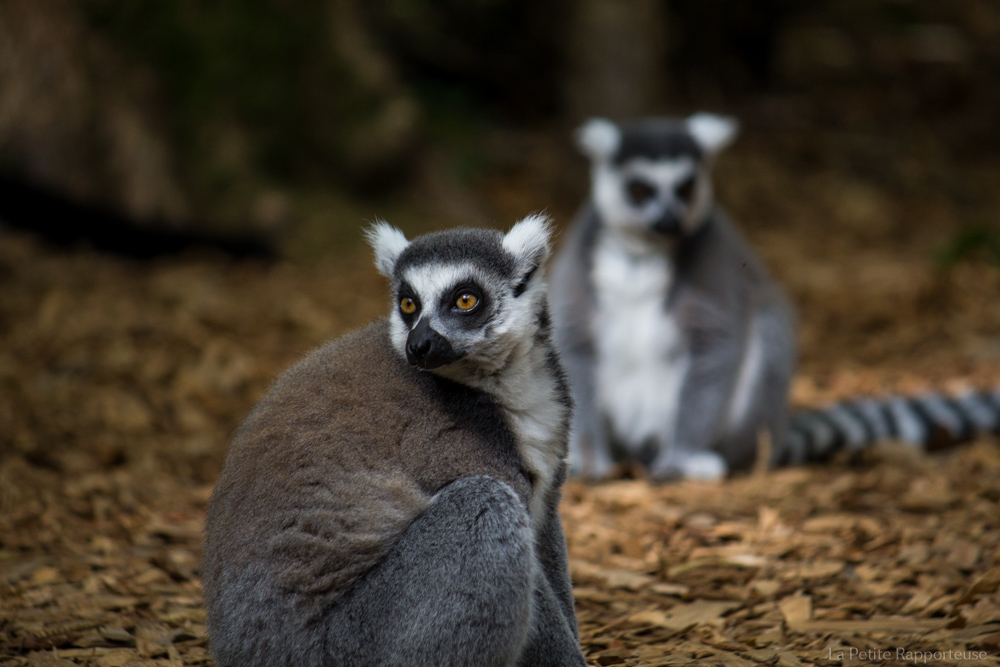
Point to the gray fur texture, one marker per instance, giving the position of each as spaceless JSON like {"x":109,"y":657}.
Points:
{"x":678,"y":346}
{"x":372,"y":512}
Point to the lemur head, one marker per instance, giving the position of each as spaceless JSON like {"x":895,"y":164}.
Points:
{"x":464,"y":300}
{"x":651,"y":178}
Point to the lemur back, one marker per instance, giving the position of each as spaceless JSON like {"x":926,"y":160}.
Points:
{"x":678,"y":346}
{"x":389,"y":501}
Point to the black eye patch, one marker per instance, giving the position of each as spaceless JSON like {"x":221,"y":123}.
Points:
{"x":639,"y":191}
{"x":523,"y":285}
{"x":685,"y":189}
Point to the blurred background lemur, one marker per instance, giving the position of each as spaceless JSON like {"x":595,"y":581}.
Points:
{"x":678,"y":345}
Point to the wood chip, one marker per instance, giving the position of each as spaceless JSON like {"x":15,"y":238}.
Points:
{"x":871,"y":625}
{"x":678,"y":590}
{"x":797,"y":610}
{"x":684,"y":616}
{"x":39,"y":659}
{"x":612,"y":578}
{"x":986,"y":583}
{"x":117,"y":634}
{"x":117,"y":658}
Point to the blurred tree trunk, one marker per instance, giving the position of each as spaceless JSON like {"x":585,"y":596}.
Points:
{"x":616,"y":58}
{"x":76,"y":119}
{"x":379,"y":147}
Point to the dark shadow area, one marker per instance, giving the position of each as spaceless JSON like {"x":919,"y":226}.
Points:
{"x":63,"y":223}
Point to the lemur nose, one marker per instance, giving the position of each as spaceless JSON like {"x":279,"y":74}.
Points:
{"x":418,"y":348}
{"x":669,"y":224}
{"x":427,"y":349}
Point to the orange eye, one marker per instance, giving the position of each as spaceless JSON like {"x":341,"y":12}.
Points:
{"x":408,"y":305}
{"x":466,"y":302}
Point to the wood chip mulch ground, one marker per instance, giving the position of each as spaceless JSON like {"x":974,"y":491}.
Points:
{"x":121,"y":381}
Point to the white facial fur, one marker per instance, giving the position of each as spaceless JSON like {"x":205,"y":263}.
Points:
{"x":600,"y":139}
{"x":509,"y":320}
{"x":610,"y":195}
{"x":432,"y":283}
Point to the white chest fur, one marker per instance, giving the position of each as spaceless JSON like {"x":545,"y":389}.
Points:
{"x":640,"y":356}
{"x":528,"y":393}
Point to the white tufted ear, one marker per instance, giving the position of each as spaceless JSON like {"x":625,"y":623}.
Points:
{"x":529,"y":242}
{"x":387,"y":242}
{"x":599,"y":139}
{"x":713,"y":132}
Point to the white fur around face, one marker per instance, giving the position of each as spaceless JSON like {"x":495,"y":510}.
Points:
{"x":528,"y":392}
{"x":430,"y":282}
{"x":618,"y":212}
{"x":712,"y":132}
{"x":387,"y":242}
{"x":486,"y":350}
{"x":641,"y":364}
{"x":599,"y":139}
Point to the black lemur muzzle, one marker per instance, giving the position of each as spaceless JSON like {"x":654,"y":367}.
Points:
{"x":427,"y":349}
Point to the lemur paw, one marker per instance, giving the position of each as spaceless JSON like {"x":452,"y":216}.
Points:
{"x":690,"y":465}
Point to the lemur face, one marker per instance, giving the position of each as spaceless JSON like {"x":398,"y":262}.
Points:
{"x":651,"y":179}
{"x":463,"y":299}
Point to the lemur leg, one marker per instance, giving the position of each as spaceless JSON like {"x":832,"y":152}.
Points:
{"x":551,"y":641}
{"x":455,"y":588}
{"x":713,"y":363}
{"x":760,"y":401}
{"x":589,"y":449}
{"x":554,"y":639}
{"x":550,"y":551}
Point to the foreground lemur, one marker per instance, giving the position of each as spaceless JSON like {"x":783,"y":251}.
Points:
{"x":393,"y":499}
{"x":678,"y":346}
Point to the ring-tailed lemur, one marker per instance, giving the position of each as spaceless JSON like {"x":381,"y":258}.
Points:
{"x":393,"y":499}
{"x":678,"y":346}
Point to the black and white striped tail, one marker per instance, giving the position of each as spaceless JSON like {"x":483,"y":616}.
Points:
{"x":923,"y":421}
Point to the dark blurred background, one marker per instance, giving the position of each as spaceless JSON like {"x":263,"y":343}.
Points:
{"x":293,"y":121}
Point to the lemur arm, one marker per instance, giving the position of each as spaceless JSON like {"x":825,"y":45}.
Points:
{"x":572,"y":301}
{"x":714,"y":352}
